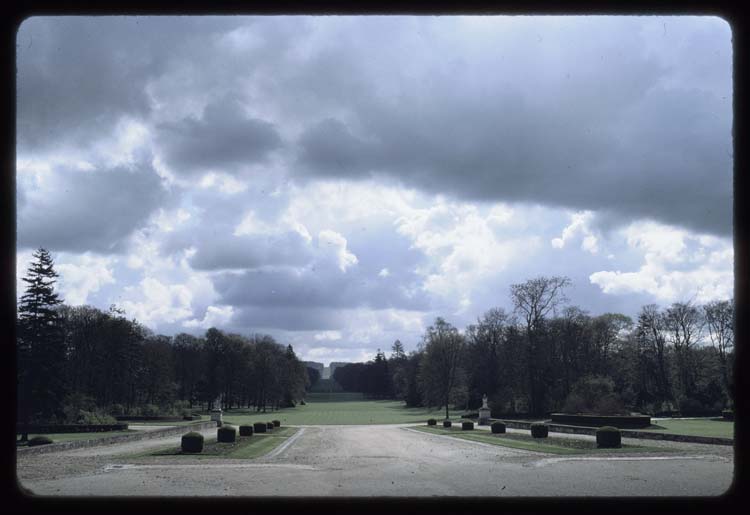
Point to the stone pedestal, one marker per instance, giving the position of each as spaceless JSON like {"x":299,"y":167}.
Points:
{"x":216,"y":416}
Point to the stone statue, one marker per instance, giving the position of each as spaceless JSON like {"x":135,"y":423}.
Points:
{"x":484,"y":412}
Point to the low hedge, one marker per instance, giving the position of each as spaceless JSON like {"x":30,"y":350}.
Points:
{"x":260,"y":427}
{"x":276,"y":423}
{"x":269,"y":426}
{"x":622,"y":421}
{"x":497,"y":427}
{"x":431,"y":422}
{"x":69,"y":428}
{"x":539,"y":430}
{"x":467,"y":426}
{"x":246,"y":430}
{"x":226,"y":434}
{"x":447,"y":423}
{"x":191,"y":417}
{"x":727,"y":414}
{"x":39,"y":440}
{"x":141,"y":418}
{"x":192,"y":442}
{"x":608,"y":437}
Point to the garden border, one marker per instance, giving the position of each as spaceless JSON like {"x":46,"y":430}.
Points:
{"x":626,"y":433}
{"x":141,"y":435}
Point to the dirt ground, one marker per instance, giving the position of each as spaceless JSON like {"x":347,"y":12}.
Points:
{"x":380,"y":461}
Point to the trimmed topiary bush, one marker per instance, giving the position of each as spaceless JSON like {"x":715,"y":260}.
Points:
{"x":192,"y":442}
{"x":226,"y":434}
{"x":467,"y":426}
{"x":269,"y":426}
{"x":539,"y":430}
{"x":497,"y":427}
{"x":431,"y":422}
{"x":39,"y":440}
{"x":447,"y":423}
{"x":608,"y":437}
{"x":276,"y":423}
{"x":260,"y":427}
{"x":246,"y":430}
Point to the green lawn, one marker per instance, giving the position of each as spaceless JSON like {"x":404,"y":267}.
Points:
{"x":550,"y":445}
{"x":334,"y":409}
{"x":67,"y":437}
{"x":698,"y":427}
{"x":245,"y":447}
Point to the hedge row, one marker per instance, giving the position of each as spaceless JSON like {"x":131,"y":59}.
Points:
{"x":623,"y":421}
{"x":69,"y":428}
{"x":39,"y":440}
{"x":150,"y":419}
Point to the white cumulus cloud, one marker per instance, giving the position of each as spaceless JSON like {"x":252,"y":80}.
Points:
{"x":676,"y":265}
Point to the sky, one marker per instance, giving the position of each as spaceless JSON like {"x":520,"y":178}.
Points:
{"x":338,"y":182}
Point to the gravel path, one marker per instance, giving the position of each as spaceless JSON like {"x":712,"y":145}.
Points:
{"x":384,"y":460}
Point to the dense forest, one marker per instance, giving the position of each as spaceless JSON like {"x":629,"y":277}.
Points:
{"x":81,"y":364}
{"x":548,"y":356}
{"x":84,"y":365}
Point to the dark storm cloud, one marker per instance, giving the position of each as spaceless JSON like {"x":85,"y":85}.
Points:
{"x":78,"y":75}
{"x":80,"y":211}
{"x":322,"y":284}
{"x":223,"y":138}
{"x":249,"y":319}
{"x":628,"y":115}
{"x":594,"y":124}
{"x":316,"y":286}
{"x":250,"y":251}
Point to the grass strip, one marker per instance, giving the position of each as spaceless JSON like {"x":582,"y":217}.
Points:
{"x":551,"y":445}
{"x":697,"y":427}
{"x":245,"y":447}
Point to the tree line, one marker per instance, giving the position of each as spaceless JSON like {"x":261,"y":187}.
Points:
{"x":544,"y":355}
{"x":548,"y":356}
{"x":75,"y":362}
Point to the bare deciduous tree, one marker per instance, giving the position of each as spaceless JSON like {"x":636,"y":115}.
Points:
{"x":534,"y":300}
{"x":683,"y":323}
{"x":653,"y":344}
{"x":440,"y":369}
{"x":719,"y":317}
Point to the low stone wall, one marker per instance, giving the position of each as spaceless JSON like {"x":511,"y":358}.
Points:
{"x":622,"y":422}
{"x":626,"y":433}
{"x":109,"y":440}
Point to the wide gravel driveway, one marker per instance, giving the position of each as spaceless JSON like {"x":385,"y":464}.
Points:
{"x":383,"y":460}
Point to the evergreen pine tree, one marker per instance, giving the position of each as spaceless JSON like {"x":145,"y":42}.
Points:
{"x":40,"y":343}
